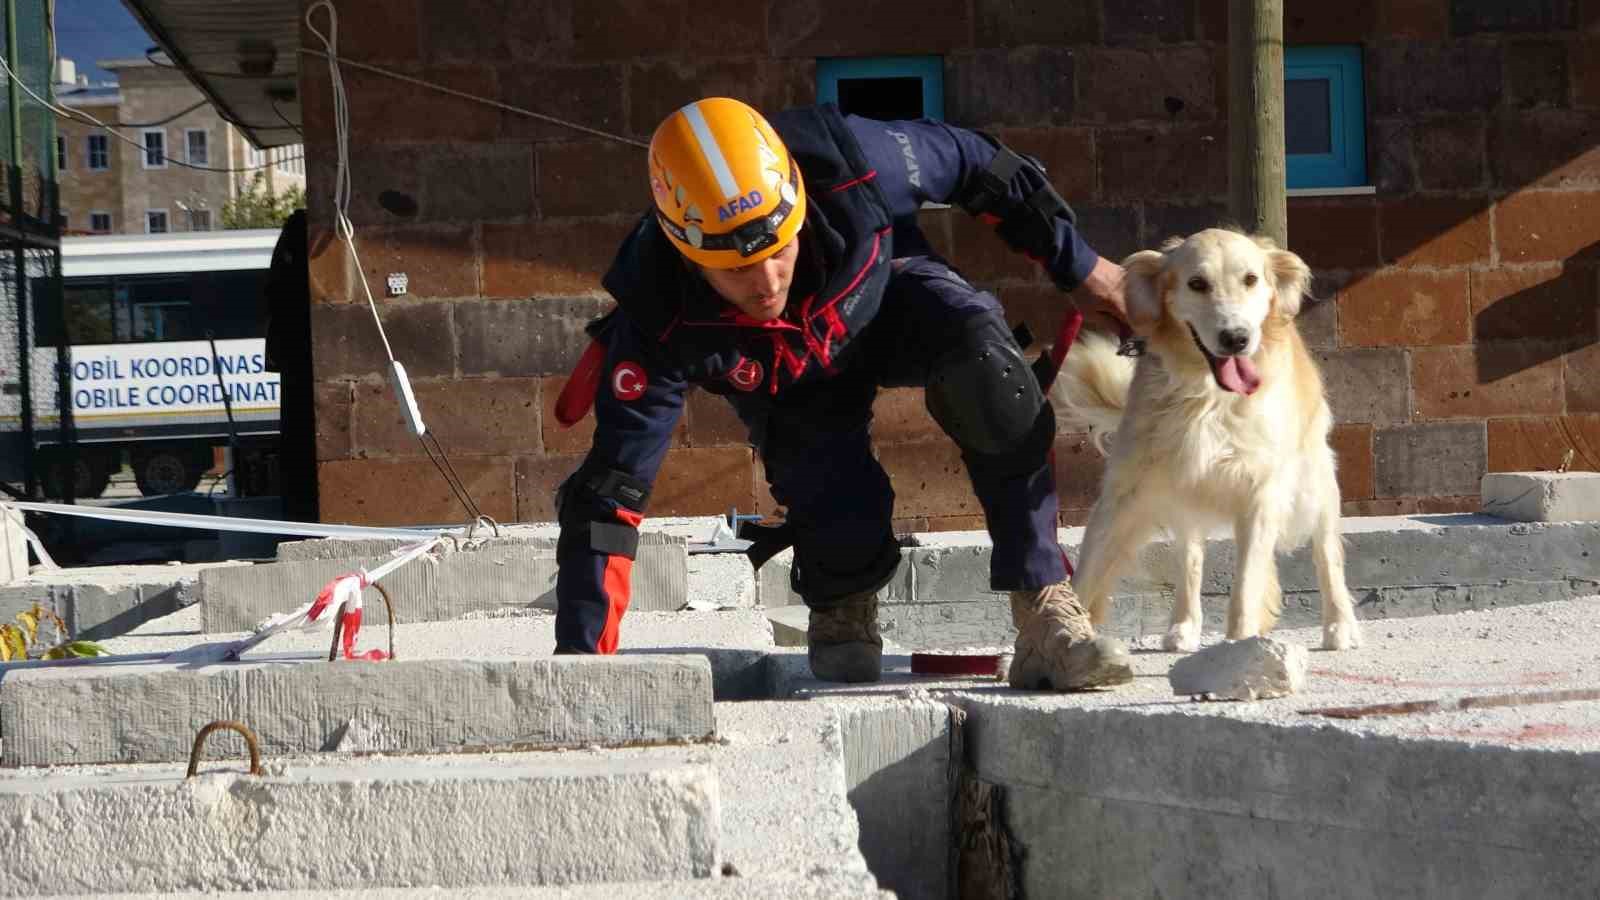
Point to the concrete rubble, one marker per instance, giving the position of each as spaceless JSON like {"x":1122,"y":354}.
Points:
{"x":1257,"y":668}
{"x":913,"y":787}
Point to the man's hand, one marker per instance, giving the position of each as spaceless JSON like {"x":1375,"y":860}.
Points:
{"x":1103,"y":291}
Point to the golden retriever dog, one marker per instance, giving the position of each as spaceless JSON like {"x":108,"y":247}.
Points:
{"x":1222,"y":422}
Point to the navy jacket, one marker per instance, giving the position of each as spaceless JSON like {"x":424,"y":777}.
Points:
{"x":865,"y":182}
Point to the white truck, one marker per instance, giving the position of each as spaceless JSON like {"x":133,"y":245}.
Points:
{"x":167,"y":332}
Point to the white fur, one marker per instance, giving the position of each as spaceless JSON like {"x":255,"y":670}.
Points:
{"x":1189,"y":457}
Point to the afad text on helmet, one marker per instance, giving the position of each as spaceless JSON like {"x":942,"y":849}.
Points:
{"x":739,"y":205}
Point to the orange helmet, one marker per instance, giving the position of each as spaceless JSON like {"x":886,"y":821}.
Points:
{"x":726,"y":190}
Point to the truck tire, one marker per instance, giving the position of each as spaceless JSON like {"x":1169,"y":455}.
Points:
{"x":92,"y":476}
{"x":167,"y":471}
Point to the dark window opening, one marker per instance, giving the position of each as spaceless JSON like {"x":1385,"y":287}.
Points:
{"x":882,"y":98}
{"x":1308,"y":123}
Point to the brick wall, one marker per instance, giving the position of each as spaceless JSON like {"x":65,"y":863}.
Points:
{"x":1457,"y":330}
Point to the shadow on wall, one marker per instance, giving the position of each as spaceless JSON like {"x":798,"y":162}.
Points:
{"x":1550,"y":317}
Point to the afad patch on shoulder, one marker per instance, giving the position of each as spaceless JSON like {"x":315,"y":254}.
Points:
{"x":628,"y":381}
{"x":746,"y":376}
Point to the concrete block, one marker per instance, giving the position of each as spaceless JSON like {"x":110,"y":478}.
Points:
{"x":901,"y":762}
{"x":1212,"y":806}
{"x":789,"y":625}
{"x":1542,"y":496}
{"x":13,"y":546}
{"x":1395,"y":566}
{"x":1257,"y":668}
{"x":151,"y":712}
{"x":102,"y":602}
{"x":501,"y":574}
{"x":383,"y":824}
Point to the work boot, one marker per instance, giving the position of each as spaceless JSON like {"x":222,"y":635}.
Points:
{"x":842,"y":641}
{"x":1056,"y":645}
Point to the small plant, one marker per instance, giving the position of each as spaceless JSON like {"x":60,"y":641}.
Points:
{"x":20,"y":641}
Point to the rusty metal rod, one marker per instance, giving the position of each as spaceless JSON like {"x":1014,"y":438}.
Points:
{"x":338,"y":623}
{"x":244,"y":732}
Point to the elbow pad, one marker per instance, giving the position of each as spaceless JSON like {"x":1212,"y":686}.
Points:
{"x":1015,"y":194}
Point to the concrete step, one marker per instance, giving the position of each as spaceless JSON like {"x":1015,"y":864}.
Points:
{"x":397,"y":824}
{"x":150,"y":712}
{"x":516,"y":571}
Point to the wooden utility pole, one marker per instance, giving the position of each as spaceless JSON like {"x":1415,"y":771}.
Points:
{"x":1257,"y":173}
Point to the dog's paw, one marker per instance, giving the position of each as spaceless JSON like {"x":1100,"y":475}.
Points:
{"x":1341,"y":636}
{"x":1182,"y":638}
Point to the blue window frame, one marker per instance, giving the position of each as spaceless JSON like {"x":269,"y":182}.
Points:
{"x":1324,"y":117}
{"x":884,"y":87}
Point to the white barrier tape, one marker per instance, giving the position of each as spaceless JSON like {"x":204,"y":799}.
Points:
{"x":38,"y":549}
{"x":228,"y":523}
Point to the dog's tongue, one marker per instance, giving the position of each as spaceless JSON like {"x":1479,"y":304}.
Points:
{"x":1238,"y":374}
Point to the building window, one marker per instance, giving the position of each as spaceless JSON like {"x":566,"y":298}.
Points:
{"x":100,"y":222}
{"x":199,"y":220}
{"x":61,"y":154}
{"x":1324,"y":117}
{"x":155,"y":148}
{"x":155,"y":221}
{"x":884,"y":87}
{"x":99,"y":152}
{"x":197,"y":146}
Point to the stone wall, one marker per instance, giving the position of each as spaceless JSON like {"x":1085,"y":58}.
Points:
{"x":1457,"y":324}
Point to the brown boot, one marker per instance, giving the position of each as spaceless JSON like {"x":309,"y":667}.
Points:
{"x":1056,"y":645}
{"x":843,"y":643}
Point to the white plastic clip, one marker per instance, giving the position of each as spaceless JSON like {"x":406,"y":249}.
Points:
{"x":408,"y":400}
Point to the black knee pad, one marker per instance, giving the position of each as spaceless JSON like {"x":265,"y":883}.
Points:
{"x":983,"y":393}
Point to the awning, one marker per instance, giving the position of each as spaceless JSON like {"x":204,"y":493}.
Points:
{"x":242,"y":54}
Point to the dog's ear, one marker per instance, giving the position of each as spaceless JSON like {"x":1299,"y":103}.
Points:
{"x":1141,"y":287}
{"x":1291,"y":280}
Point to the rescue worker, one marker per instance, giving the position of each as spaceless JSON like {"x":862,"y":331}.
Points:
{"x":780,"y":265}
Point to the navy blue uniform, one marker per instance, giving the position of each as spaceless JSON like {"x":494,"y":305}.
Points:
{"x":871,"y":306}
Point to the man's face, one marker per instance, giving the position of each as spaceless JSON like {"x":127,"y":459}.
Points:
{"x":760,"y":290}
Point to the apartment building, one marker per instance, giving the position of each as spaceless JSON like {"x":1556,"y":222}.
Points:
{"x":175,"y":179}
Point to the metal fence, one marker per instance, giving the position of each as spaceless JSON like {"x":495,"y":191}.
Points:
{"x":36,"y":433}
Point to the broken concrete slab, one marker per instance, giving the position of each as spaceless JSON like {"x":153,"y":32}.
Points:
{"x":104,"y":601}
{"x":1542,"y":496}
{"x":150,"y":712}
{"x":385,"y":824}
{"x":503,"y":575}
{"x":13,"y":545}
{"x":1256,"y":668}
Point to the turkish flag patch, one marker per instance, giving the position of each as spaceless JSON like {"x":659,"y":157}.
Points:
{"x":628,"y":381}
{"x":746,"y":376}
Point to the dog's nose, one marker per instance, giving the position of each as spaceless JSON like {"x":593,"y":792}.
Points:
{"x":1233,"y":340}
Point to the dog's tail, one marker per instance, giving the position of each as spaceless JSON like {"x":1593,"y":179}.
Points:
{"x":1092,"y":388}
